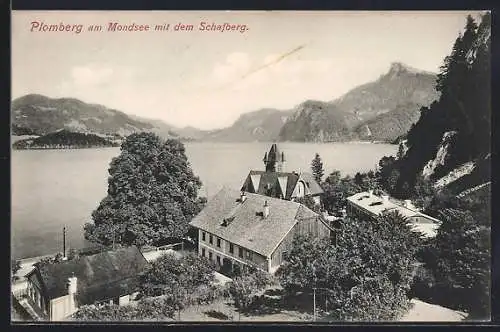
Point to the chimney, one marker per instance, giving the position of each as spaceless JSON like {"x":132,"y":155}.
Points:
{"x":265,"y":213}
{"x":407,"y":203}
{"x":385,"y":198}
{"x":72,"y":288}
{"x":243,"y":197}
{"x":72,"y":285}
{"x":370,"y":192}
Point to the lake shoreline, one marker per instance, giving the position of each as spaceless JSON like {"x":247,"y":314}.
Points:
{"x":52,"y":188}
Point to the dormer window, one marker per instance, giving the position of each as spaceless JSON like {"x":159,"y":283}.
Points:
{"x":227,"y":221}
{"x":300,"y":189}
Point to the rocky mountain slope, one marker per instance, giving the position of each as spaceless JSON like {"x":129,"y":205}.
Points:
{"x":40,"y":115}
{"x":262,"y":126}
{"x":381,"y":110}
{"x":378,"y":111}
{"x":451,"y":142}
{"x":317,"y":121}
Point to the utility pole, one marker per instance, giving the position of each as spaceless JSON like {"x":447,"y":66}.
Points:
{"x":64,"y":241}
{"x":314,"y":290}
{"x":314,"y":308}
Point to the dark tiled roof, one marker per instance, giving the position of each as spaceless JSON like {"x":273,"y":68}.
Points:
{"x":246,"y":226}
{"x":311,"y":183}
{"x":269,"y":183}
{"x":101,"y":276}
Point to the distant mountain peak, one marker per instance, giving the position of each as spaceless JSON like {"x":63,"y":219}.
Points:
{"x":398,"y":68}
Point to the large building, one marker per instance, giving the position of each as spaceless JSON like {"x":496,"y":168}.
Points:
{"x":238,"y":228}
{"x":55,"y":291}
{"x":274,"y":182}
{"x":367,"y":204}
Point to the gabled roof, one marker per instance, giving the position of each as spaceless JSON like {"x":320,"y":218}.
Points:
{"x":311,"y":183}
{"x":377,"y":206}
{"x":247,"y":227}
{"x":272,"y":183}
{"x":101,"y":276}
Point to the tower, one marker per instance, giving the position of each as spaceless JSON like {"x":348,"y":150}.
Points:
{"x":274,"y":160}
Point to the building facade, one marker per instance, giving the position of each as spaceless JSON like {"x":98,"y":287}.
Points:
{"x":275,"y":182}
{"x":245,"y":229}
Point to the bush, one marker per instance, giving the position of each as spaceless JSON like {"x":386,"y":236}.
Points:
{"x":167,"y":273}
{"x":149,"y":309}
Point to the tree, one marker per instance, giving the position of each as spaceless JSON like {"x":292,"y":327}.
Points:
{"x":336,"y":190}
{"x":459,"y":259}
{"x":367,"y":181}
{"x":57,"y":258}
{"x":15,"y":266}
{"x":168,"y":274}
{"x":464,"y":108}
{"x":152,"y":194}
{"x":243,"y":288}
{"x":423,"y":192}
{"x":368,"y":273}
{"x":73,"y":254}
{"x":401,"y":151}
{"x":317,"y":168}
{"x":309,"y":202}
{"x":387,"y":173}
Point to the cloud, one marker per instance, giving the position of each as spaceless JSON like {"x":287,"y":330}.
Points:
{"x":89,"y":75}
{"x":235,"y":65}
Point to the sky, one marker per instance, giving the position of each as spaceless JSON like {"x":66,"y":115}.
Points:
{"x":207,"y":79}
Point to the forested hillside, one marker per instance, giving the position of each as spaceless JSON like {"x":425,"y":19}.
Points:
{"x":456,"y":128}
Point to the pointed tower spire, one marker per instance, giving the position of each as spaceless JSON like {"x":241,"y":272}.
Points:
{"x":274,"y":160}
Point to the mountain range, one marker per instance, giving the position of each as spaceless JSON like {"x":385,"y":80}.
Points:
{"x":382,"y":110}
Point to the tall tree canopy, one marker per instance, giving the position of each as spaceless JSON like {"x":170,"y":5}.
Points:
{"x":317,"y":168}
{"x":458,"y":258}
{"x":366,"y":276}
{"x":463,"y":110}
{"x":152,"y":194}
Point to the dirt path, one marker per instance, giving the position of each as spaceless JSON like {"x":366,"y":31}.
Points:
{"x":426,"y":312}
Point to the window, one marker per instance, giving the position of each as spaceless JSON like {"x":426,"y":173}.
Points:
{"x":300,"y":189}
{"x":211,"y":239}
{"x":218,"y":242}
{"x":240,"y":252}
{"x":210,"y":255}
{"x":231,"y":248}
{"x":249,"y":255}
{"x":283,"y":256}
{"x":203,"y":236}
{"x":203,"y":252}
{"x":218,"y":259}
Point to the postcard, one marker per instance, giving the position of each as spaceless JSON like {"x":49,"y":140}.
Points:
{"x":251,"y":166}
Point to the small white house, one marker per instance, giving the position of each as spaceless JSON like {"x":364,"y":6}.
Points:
{"x":371,"y":205}
{"x":55,"y":291}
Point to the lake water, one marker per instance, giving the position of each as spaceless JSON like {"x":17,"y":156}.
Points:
{"x":53,"y":188}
